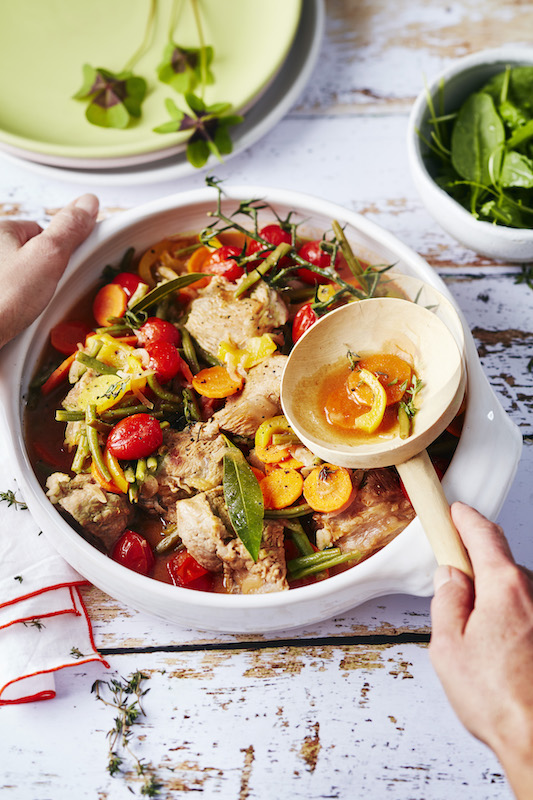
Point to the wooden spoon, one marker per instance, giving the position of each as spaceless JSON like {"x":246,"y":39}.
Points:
{"x":385,"y":325}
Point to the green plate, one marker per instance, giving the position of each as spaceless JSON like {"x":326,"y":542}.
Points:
{"x":44,"y":44}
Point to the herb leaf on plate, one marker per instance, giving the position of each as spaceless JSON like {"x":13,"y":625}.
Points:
{"x":114,"y":98}
{"x":182,"y":67}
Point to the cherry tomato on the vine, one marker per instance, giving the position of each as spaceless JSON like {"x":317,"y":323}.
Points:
{"x":158,"y":330}
{"x":185,"y":571}
{"x":129,"y":282}
{"x":274,"y":234}
{"x":133,"y":551}
{"x":222,"y":262}
{"x":305,"y":317}
{"x":135,"y":437}
{"x":313,"y":253}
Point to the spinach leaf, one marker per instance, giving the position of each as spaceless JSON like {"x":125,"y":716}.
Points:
{"x":517,"y":170}
{"x":478,"y":136}
{"x":244,"y":499}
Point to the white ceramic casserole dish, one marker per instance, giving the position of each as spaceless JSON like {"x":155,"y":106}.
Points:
{"x":405,"y":565}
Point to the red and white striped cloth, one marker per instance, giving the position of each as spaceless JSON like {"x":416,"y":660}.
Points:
{"x":44,"y":626}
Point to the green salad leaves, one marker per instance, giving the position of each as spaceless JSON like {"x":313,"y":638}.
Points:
{"x":482,"y":154}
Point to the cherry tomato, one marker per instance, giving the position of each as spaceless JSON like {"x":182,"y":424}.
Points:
{"x":222,"y":262}
{"x":158,"y":330}
{"x":133,"y":551}
{"x":135,"y":437}
{"x":305,"y":317}
{"x":164,"y":360}
{"x":129,"y":282}
{"x":313,"y":253}
{"x":186,"y":572}
{"x":273,"y":234}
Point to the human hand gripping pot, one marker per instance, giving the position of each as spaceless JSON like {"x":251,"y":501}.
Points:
{"x":32,"y":260}
{"x":482,"y":646}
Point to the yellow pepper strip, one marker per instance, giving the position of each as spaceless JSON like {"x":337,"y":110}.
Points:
{"x":267,"y":452}
{"x":257,"y":348}
{"x":113,"y":352}
{"x":370,"y":421}
{"x":325,"y":292}
{"x":116,"y":471}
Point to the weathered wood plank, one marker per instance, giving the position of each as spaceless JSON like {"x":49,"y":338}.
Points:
{"x":289,"y":722}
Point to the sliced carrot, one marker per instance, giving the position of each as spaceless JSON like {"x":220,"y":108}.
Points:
{"x":328,"y":488}
{"x":393,"y":372}
{"x":199,"y":258}
{"x":258,"y":474}
{"x":58,"y":375}
{"x":111,"y":301}
{"x":281,"y":488}
{"x":216,"y":382}
{"x":109,"y":486}
{"x":65,"y":336}
{"x":285,"y":463}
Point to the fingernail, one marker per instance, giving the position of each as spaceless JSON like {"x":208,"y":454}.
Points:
{"x":88,"y":203}
{"x":442,"y":575}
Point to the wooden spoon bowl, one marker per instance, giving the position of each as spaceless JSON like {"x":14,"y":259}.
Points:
{"x":419,"y":336}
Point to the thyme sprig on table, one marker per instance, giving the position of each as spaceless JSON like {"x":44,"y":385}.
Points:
{"x":10,"y":498}
{"x":124,"y":695}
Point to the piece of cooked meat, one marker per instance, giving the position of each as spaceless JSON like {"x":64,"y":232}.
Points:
{"x":71,"y":399}
{"x":244,"y":412}
{"x":191,"y":461}
{"x":102,"y":516}
{"x":378,"y":513}
{"x":206,"y":531}
{"x":202,"y":528}
{"x":267,"y":574}
{"x":216,"y":315}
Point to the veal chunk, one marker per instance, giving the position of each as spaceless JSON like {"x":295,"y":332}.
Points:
{"x":206,"y":532}
{"x":102,"y":515}
{"x":191,"y":462}
{"x":217,"y":315}
{"x":378,"y":513}
{"x":244,"y":412}
{"x":267,"y":574}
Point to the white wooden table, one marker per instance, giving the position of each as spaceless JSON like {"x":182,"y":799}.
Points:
{"x":350,"y":707}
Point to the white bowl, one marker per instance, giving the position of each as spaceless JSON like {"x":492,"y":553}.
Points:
{"x":460,"y":79}
{"x":405,"y":565}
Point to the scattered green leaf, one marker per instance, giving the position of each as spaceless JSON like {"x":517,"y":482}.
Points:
{"x":181,"y":67}
{"x":9,"y":497}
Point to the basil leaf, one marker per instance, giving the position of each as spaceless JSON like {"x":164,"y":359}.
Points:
{"x":244,"y":499}
{"x":477,"y":135}
{"x":161,"y":291}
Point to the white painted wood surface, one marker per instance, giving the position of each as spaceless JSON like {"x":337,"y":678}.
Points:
{"x":349,"y":707}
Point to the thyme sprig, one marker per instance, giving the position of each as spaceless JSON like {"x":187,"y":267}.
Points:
{"x":10,"y":498}
{"x":406,"y":407}
{"x":368,"y":277}
{"x":124,"y":695}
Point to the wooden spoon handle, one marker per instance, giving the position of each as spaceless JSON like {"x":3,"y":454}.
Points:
{"x":429,"y":502}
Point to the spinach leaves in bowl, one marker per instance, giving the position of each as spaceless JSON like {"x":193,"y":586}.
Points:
{"x":484,"y":150}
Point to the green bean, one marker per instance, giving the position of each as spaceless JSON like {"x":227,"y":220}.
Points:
{"x":282,"y":513}
{"x":64,"y":415}
{"x":152,"y":463}
{"x":111,"y":329}
{"x":301,"y":540}
{"x":82,"y":451}
{"x":157,"y":389}
{"x":320,"y":566}
{"x":256,"y":274}
{"x":93,"y":351}
{"x":404,"y":422}
{"x":129,"y":474}
{"x":190,"y":407}
{"x":313,"y":558}
{"x":133,"y":493}
{"x":353,"y":263}
{"x":95,"y":364}
{"x":140,"y":471}
{"x":123,"y":411}
{"x":100,"y":425}
{"x":188,"y":350}
{"x":171,"y":539}
{"x":94,"y":444}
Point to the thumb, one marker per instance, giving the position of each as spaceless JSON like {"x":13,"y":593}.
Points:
{"x":67,"y":229}
{"x":451,"y":607}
